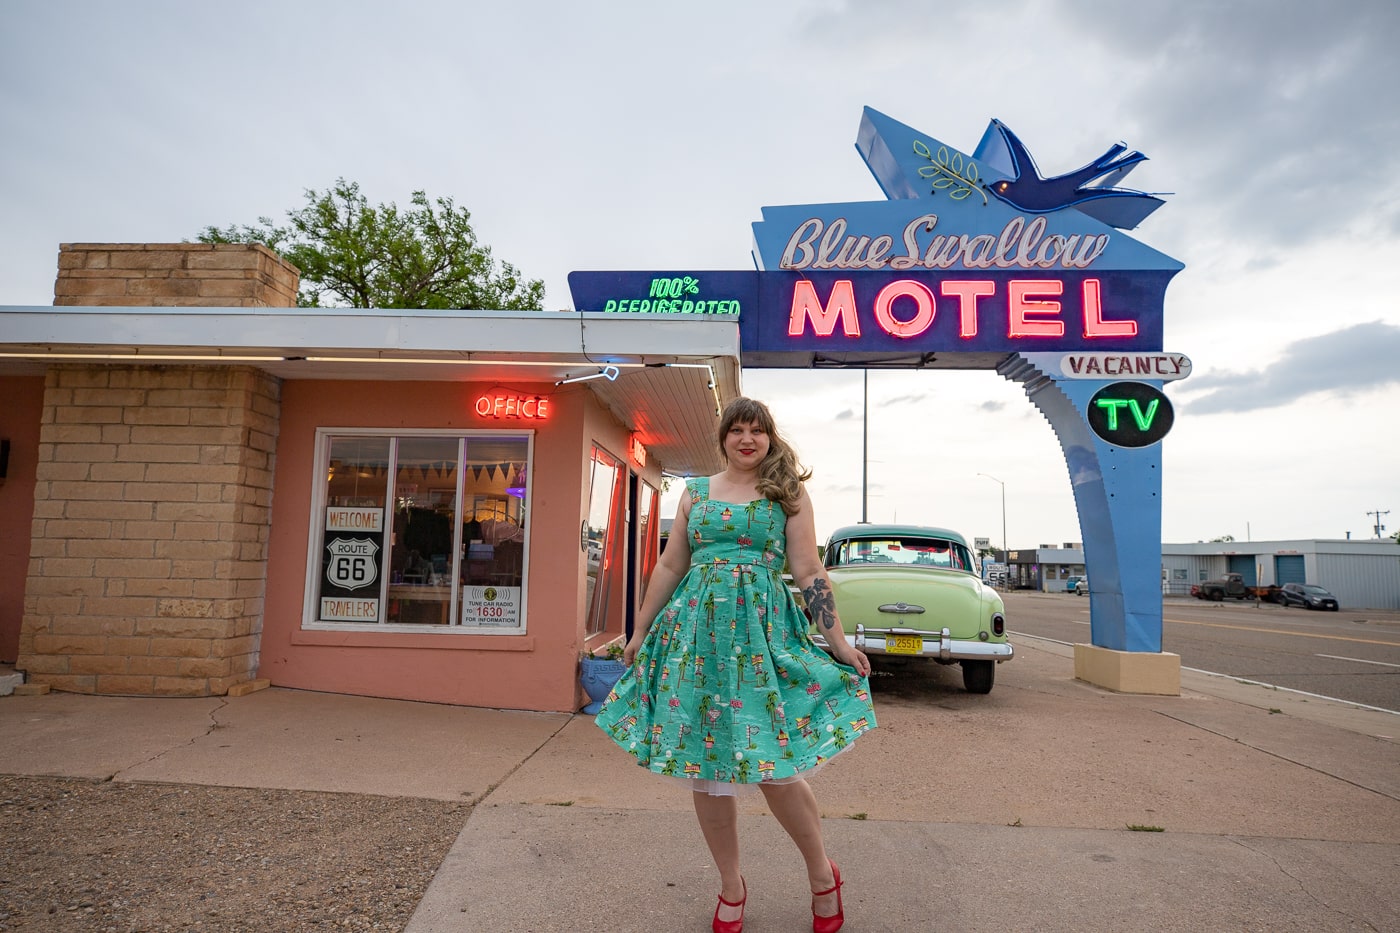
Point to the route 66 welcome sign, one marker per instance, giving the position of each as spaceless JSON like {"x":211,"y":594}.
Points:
{"x":351,"y":560}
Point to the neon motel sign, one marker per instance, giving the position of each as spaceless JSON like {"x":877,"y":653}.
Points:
{"x":970,"y":252}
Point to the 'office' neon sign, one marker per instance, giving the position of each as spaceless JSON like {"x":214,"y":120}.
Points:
{"x":508,"y":405}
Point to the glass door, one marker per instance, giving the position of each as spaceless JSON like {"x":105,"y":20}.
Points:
{"x":605,"y":536}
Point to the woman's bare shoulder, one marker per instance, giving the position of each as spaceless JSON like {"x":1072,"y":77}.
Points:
{"x":804,"y":501}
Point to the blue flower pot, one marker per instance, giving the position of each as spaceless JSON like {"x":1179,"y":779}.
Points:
{"x":598,"y":676}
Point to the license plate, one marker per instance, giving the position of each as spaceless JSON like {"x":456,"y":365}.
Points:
{"x":904,"y":644}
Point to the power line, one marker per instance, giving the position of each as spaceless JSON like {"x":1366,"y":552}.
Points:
{"x":1378,"y":526}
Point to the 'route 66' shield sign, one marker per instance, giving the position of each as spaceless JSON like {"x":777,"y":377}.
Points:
{"x":352,"y":564}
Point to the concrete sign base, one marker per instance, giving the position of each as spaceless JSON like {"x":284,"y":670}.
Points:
{"x":1157,"y":674}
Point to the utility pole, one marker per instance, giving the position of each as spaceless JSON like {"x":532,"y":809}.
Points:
{"x":1378,"y":526}
{"x":864,"y":444}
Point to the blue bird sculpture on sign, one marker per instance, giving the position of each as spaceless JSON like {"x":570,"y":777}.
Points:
{"x":1025,"y":190}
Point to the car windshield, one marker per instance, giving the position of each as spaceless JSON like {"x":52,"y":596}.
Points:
{"x":1313,"y":590}
{"x":911,"y":552}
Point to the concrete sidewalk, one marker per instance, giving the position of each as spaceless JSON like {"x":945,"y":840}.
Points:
{"x":1009,"y":811}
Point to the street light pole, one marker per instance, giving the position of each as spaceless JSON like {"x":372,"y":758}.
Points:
{"x":1003,"y":512}
{"x":864,"y":445}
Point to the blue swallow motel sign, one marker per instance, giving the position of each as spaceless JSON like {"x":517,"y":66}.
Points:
{"x":976,"y":260}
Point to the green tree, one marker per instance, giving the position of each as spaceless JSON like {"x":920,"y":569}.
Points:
{"x":355,"y":254}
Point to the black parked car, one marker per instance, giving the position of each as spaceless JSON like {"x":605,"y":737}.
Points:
{"x":1307,"y":596}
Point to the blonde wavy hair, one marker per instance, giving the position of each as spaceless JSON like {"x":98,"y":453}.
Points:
{"x":780,"y":476}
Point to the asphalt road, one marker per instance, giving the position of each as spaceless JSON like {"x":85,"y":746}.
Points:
{"x":1349,"y":655}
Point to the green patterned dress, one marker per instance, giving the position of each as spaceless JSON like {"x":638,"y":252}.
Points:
{"x":728,"y":688}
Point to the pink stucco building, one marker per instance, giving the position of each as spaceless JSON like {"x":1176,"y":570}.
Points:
{"x":207,"y":489}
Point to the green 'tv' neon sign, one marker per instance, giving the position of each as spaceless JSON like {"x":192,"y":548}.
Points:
{"x":1143,"y":418}
{"x":1130,"y":414}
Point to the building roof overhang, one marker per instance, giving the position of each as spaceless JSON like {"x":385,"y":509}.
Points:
{"x":673,"y":372}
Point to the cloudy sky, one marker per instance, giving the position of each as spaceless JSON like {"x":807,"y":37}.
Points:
{"x":643,"y":135}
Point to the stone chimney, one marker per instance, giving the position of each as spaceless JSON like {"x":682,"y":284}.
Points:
{"x":162,"y":275}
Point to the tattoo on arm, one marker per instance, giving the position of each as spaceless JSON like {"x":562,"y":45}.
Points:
{"x":821,"y":603}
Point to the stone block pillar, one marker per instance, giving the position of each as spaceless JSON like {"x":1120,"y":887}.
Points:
{"x":153,"y":496}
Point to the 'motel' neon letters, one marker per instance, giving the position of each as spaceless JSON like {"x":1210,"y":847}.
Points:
{"x":1033,"y":308}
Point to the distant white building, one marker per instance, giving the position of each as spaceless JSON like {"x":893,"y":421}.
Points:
{"x":1361,"y":574}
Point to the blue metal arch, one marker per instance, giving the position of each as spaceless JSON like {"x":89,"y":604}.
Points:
{"x":1118,"y":494}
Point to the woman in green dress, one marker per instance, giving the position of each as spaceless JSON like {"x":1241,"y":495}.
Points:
{"x":725,"y":688}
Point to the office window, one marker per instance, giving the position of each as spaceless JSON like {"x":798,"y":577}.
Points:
{"x":420,"y":531}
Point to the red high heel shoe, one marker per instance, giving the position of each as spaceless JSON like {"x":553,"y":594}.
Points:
{"x":731,"y":926}
{"x":834,"y":922}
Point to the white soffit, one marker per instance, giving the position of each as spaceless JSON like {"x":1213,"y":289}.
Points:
{"x":674,"y":411}
{"x":293,"y":332}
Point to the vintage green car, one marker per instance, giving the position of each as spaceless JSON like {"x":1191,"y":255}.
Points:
{"x":907,"y":590}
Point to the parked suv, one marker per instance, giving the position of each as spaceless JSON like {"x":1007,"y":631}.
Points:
{"x":1307,"y":596}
